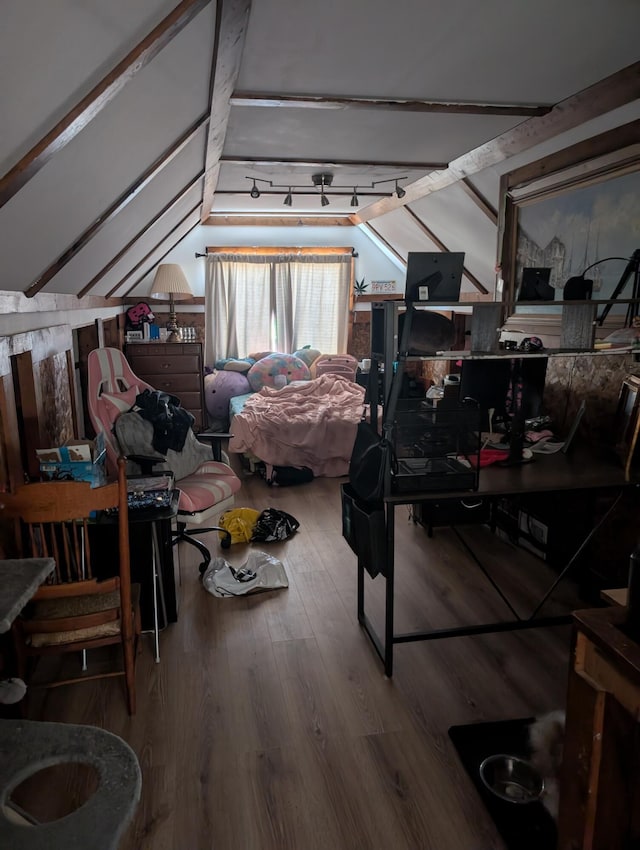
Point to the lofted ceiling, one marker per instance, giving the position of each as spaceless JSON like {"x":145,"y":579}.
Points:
{"x":126,"y":125}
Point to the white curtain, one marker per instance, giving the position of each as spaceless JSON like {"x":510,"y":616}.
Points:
{"x":256,"y":303}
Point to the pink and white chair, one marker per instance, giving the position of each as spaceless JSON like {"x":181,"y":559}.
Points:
{"x":206,"y":486}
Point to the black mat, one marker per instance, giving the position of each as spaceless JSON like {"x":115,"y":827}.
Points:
{"x":522,"y":827}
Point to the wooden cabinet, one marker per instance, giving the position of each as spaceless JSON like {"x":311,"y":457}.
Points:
{"x":175,"y":368}
{"x":600,"y":778}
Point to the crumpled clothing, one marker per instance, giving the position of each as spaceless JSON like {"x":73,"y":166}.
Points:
{"x":171,"y":422}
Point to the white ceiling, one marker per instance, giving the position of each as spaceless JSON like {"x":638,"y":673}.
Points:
{"x":499,"y":53}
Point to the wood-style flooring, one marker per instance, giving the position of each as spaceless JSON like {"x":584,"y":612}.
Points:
{"x":268,"y":723}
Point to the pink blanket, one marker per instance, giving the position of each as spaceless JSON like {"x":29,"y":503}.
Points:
{"x":311,"y":423}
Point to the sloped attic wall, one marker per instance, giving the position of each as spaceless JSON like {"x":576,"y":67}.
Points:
{"x":160,"y":100}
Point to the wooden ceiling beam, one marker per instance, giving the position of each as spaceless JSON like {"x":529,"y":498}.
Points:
{"x":234,"y":220}
{"x":479,"y":200}
{"x":440,"y":244}
{"x":156,"y":218}
{"x":118,"y":205}
{"x":263,"y":99}
{"x":50,"y":302}
{"x":231,"y":26}
{"x":330,"y":163}
{"x":100,"y":96}
{"x":617,"y":90}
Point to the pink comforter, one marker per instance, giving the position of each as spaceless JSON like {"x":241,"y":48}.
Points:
{"x":305,"y":424}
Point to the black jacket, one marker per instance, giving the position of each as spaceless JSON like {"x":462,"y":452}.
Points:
{"x":171,"y":423}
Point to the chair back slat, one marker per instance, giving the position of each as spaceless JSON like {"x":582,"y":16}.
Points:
{"x":56,"y":519}
{"x":74,"y":610}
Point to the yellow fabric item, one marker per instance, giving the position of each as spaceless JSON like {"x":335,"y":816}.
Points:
{"x":239,"y":522}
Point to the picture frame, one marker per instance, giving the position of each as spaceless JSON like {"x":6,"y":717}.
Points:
{"x":558,"y":212}
{"x":627,"y":423}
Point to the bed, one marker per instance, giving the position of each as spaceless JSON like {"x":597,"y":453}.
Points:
{"x":307,"y":423}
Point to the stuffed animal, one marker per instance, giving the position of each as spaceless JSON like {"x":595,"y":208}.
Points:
{"x":219,"y":388}
{"x":277,"y":370}
{"x":137,"y":315}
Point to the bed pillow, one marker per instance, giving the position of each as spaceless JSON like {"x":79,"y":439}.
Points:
{"x":117,"y":403}
{"x":264,"y":372}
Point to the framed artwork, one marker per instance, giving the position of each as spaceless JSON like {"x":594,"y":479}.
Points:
{"x":575,"y":209}
{"x":627,"y":423}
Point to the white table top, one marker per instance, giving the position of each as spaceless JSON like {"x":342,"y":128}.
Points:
{"x":19,"y":580}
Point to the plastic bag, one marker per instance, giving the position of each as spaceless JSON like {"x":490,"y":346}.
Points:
{"x":260,"y":572}
{"x":274,"y":525}
{"x":239,"y":522}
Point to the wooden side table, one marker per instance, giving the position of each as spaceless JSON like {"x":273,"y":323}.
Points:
{"x":600,"y":777}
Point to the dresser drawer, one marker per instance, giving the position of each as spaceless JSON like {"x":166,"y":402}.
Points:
{"x":190,"y":401}
{"x":162,"y":349}
{"x":175,"y":384}
{"x":176,"y":364}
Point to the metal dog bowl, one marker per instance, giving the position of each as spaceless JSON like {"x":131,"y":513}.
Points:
{"x":511,"y":778}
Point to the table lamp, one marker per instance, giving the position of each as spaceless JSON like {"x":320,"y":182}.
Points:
{"x":170,"y":280}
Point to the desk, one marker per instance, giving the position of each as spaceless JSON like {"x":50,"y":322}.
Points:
{"x":551,"y":473}
{"x":152,"y":566}
{"x":154,"y":517}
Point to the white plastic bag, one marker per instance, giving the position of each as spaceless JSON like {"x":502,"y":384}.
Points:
{"x":260,"y":572}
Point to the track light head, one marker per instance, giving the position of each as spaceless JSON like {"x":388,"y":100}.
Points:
{"x":354,"y":197}
{"x":400,"y":192}
{"x":288,"y":201}
{"x":255,"y":192}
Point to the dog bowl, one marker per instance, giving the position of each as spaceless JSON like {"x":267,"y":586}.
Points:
{"x":511,"y":778}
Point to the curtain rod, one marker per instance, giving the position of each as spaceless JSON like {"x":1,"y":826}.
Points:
{"x":268,"y":249}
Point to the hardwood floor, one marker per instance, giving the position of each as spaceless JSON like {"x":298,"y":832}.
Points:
{"x":269,"y":725}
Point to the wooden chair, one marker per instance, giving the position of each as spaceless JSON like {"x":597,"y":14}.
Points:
{"x":74,"y":612}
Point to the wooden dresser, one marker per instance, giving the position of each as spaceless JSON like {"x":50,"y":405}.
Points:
{"x":175,"y":368}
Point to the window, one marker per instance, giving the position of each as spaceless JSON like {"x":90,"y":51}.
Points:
{"x":277,"y":301}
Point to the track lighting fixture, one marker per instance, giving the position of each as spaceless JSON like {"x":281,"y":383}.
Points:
{"x":323,"y":181}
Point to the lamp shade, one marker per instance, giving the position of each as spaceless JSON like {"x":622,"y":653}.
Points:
{"x":170,"y":280}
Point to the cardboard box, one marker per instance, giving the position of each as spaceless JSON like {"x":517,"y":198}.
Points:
{"x":77,"y":460}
